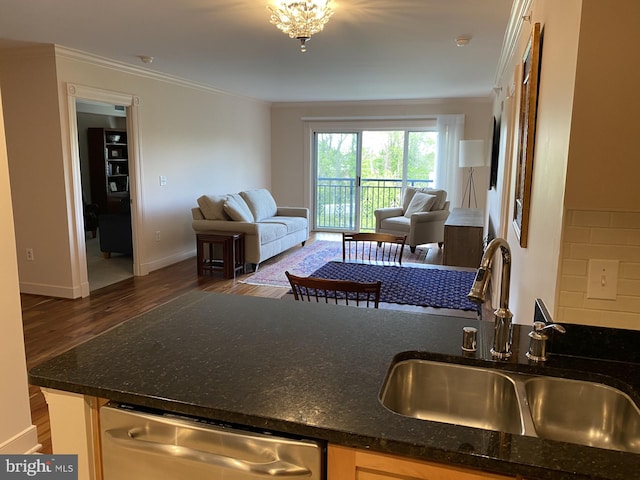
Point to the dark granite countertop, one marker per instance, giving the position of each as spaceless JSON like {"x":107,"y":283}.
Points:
{"x":316,"y":371}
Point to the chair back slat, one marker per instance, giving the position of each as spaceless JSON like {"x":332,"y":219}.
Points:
{"x":331,"y":291}
{"x":373,"y":247}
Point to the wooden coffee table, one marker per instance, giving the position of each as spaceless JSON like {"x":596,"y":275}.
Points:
{"x":232,"y":261}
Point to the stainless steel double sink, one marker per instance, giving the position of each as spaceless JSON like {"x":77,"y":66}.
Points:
{"x":573,"y":411}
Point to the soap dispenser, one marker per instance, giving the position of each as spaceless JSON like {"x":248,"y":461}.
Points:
{"x":538,"y":340}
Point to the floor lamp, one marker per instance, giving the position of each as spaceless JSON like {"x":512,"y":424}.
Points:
{"x":471,"y":155}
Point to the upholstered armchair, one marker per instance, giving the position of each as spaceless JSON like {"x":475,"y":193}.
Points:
{"x":421,"y":217}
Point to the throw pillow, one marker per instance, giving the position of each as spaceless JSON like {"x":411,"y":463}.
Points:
{"x":237,"y":209}
{"x":212,"y":207}
{"x":261,"y":203}
{"x":407,"y":196}
{"x":441,"y":197}
{"x":421,"y":202}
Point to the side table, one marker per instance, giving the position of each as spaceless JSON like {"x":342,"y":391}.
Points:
{"x":463,"y":234}
{"x":232,"y":261}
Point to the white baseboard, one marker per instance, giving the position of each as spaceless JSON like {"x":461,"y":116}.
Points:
{"x":71,"y":292}
{"x":50,"y":290}
{"x":23,"y":443}
{"x":166,"y":261}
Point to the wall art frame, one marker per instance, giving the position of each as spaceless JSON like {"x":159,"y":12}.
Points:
{"x":527,"y":129}
{"x":495,"y":154}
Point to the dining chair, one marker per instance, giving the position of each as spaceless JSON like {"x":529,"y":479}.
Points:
{"x":335,"y":291}
{"x":372,"y":247}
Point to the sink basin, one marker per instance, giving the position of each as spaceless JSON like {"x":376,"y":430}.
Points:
{"x":561,"y":409}
{"x":581,"y":412}
{"x":450,"y":393}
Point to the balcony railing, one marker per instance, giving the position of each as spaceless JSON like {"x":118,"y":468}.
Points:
{"x":336,"y":200}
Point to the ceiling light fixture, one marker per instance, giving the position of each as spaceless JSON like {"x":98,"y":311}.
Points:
{"x":462,"y":41}
{"x":301,"y":19}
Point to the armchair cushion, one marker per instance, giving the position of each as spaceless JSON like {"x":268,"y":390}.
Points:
{"x":237,"y":209}
{"x":409,"y":192}
{"x":421,"y":202}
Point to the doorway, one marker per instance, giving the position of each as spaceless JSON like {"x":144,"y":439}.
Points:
{"x":102,"y":148}
{"x":78,"y":243}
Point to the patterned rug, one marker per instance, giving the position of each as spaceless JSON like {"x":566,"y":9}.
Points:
{"x":303,"y":261}
{"x":429,"y":287}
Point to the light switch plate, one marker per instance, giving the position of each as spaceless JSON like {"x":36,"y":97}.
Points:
{"x":163,"y":180}
{"x":602,"y":281}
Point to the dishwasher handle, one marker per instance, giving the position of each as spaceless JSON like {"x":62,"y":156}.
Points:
{"x":277,"y":468}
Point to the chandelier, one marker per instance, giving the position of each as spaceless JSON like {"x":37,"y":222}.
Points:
{"x":301,"y":19}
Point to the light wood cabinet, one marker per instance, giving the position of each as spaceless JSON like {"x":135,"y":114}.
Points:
{"x":345,"y":463}
{"x":463,"y":238}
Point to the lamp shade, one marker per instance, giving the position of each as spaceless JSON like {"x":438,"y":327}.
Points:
{"x":472,"y":153}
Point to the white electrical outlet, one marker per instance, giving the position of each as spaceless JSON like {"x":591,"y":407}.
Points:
{"x":602,"y":281}
{"x":163,"y":180}
{"x":30,"y":254}
{"x":158,"y":236}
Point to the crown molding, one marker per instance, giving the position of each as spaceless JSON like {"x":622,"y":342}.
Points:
{"x":378,"y":103}
{"x":519,"y":10}
{"x":96,"y":60}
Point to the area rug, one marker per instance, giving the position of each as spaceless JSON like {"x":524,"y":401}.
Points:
{"x":424,"y":287}
{"x":305,"y":260}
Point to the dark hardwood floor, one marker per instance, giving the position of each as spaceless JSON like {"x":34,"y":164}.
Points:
{"x":54,"y":325}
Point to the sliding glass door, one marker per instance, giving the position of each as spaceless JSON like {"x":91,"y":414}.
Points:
{"x":359,"y":172}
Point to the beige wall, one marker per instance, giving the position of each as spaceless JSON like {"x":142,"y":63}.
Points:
{"x":603,"y":168}
{"x":202,"y":140}
{"x":34,"y":146}
{"x":602,"y":199}
{"x":584,"y":205}
{"x":535,"y":268}
{"x":17,"y":435}
{"x":291,"y":172}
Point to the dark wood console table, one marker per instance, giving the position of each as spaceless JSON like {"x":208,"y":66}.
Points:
{"x":232,"y":261}
{"x":463,"y":238}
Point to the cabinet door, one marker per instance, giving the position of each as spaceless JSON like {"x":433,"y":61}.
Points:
{"x":352,"y":464}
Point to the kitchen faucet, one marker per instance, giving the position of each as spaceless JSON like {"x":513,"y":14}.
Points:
{"x":502,"y":326}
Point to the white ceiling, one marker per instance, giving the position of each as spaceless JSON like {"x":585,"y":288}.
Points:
{"x":369,"y":50}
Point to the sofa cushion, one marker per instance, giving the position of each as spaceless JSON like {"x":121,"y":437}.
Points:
{"x":421,"y":202}
{"x":270,"y":232}
{"x":212,"y":207}
{"x":260,"y":202}
{"x":237,"y":209}
{"x":409,"y":192}
{"x":292,"y":224}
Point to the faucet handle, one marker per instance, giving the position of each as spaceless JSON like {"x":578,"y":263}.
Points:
{"x":538,"y":340}
{"x":541,"y":327}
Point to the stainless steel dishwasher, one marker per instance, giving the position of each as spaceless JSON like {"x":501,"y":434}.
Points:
{"x":141,"y":445}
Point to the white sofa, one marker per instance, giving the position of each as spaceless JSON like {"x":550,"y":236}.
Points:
{"x":421,"y":217}
{"x":268,"y":229}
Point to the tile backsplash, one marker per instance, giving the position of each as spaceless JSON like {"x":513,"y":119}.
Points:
{"x":590,"y":235}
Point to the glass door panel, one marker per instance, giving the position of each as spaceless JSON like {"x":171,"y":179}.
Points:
{"x":421,"y":159}
{"x":336,"y":181}
{"x":381,"y":172}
